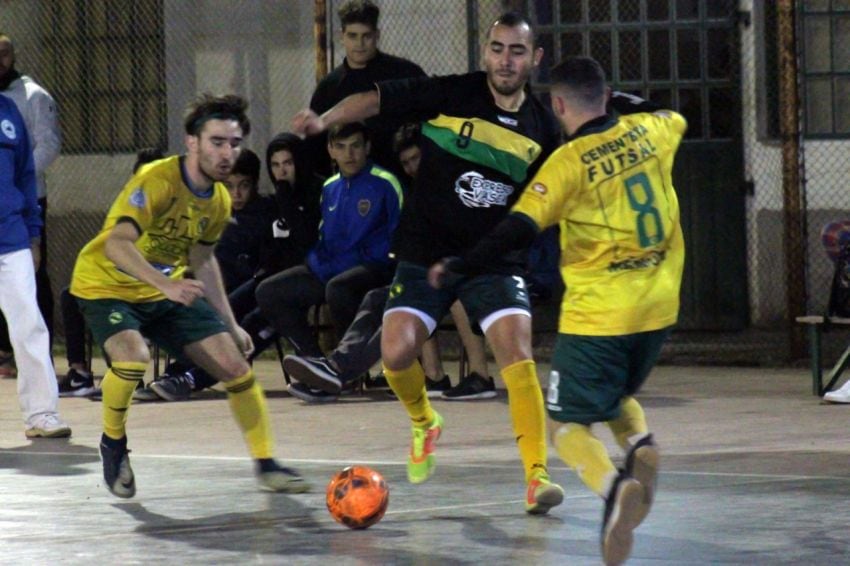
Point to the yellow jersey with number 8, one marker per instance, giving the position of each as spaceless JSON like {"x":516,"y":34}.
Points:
{"x":622,"y":251}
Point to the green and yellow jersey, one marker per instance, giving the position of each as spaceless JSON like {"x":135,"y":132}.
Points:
{"x":622,"y":251}
{"x":171,"y":218}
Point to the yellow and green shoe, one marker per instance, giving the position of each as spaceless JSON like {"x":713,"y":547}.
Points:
{"x":542,"y":495}
{"x":421,"y":462}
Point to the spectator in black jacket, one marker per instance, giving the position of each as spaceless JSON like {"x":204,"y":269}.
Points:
{"x":363,"y":66}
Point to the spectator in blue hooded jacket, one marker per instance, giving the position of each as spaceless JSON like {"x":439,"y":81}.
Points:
{"x":360,"y":210}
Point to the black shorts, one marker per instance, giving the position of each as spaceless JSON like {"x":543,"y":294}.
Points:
{"x":484,"y":297}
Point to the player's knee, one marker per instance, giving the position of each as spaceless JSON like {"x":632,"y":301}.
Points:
{"x":397,"y":356}
{"x":231,"y":369}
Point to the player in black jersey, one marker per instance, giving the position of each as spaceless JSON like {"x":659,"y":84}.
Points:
{"x":484,"y":136}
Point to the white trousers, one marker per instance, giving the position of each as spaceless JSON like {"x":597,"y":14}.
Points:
{"x":37,"y":389}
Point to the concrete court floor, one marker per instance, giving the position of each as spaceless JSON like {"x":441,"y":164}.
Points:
{"x":755,"y":471}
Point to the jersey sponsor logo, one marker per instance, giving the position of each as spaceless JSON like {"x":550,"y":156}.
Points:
{"x":137,"y":198}
{"x":364,"y":206}
{"x":539,"y":188}
{"x":654,"y":258}
{"x":508,"y":120}
{"x":477,"y":192}
{"x":8,"y":129}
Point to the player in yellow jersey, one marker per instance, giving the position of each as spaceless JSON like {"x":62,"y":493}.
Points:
{"x":622,"y":255}
{"x":129,"y":281}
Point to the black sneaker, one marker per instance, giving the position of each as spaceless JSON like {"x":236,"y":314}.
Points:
{"x":624,"y":510}
{"x":377,"y":382}
{"x":117,"y":472}
{"x":97,"y":394}
{"x":437,"y":388}
{"x":472,"y":387}
{"x":642,"y":462}
{"x":174,"y":387}
{"x":76,"y":383}
{"x":274,"y":477}
{"x":305,"y":393}
{"x":314,"y":372}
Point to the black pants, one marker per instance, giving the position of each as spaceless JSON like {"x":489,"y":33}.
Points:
{"x":44,"y":293}
{"x":285,"y":299}
{"x":360,"y":346}
{"x":75,"y":328}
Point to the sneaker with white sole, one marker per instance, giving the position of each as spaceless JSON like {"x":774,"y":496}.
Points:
{"x":315,"y":372}
{"x":642,"y":462}
{"x":274,"y":477}
{"x":840,"y":395}
{"x":76,"y":383}
{"x":174,"y":387}
{"x":47,"y":425}
{"x":309,"y":395}
{"x":470,"y":388}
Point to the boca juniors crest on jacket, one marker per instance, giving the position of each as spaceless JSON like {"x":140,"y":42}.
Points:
{"x":359,"y":215}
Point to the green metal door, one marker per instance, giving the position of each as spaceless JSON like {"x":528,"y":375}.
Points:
{"x":685,"y":55}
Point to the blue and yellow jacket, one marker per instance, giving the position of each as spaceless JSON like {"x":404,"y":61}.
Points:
{"x":359,"y":216}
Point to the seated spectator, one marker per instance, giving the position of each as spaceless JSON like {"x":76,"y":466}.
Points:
{"x":79,"y":381}
{"x":360,"y":347}
{"x":288,"y":229}
{"x":835,"y":237}
{"x":360,"y":209}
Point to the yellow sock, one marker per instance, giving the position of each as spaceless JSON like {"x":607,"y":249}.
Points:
{"x":117,"y":386}
{"x":525,"y":400}
{"x":583,"y":452}
{"x":248,"y":404}
{"x":630,"y":423}
{"x":409,"y":386}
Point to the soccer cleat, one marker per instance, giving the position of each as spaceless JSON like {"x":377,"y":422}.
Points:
{"x":542,"y":495}
{"x":624,"y":510}
{"x":841,"y":395}
{"x":315,"y":372}
{"x":309,"y":395}
{"x":471,"y":387}
{"x":642,"y":464}
{"x":47,"y":425}
{"x":174,"y":387}
{"x":117,"y":472}
{"x":420,"y":461}
{"x":274,"y":477}
{"x":76,"y":383}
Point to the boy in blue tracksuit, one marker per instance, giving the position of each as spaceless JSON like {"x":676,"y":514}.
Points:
{"x":360,"y":211}
{"x":20,"y":233}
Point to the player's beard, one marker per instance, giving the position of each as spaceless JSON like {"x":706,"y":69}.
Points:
{"x":212,"y":172}
{"x":510,"y":88}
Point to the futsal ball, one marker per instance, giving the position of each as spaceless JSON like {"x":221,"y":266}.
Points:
{"x":357,"y":497}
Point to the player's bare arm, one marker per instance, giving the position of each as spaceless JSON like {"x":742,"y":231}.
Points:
{"x":121,"y":250}
{"x":205,"y":267}
{"x":351,"y":109}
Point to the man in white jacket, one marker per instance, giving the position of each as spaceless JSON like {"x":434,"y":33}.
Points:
{"x":39,"y":111}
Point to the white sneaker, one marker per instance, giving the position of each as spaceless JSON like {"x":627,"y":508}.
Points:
{"x":47,"y":425}
{"x":840,"y":395}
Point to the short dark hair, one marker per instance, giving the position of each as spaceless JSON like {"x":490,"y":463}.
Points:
{"x":582,"y":76}
{"x":247,"y":164}
{"x":359,"y":12}
{"x":208,"y":107}
{"x":145,"y":155}
{"x":407,"y":136}
{"x":513,"y":19}
{"x":342,"y":131}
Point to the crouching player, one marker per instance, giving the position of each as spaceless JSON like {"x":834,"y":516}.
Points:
{"x":129,"y":281}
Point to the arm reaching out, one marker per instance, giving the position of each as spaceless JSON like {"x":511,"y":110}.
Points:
{"x":350,"y":109}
